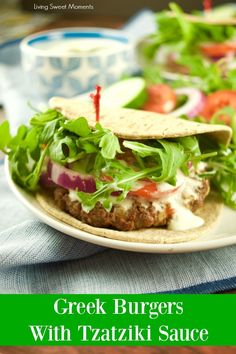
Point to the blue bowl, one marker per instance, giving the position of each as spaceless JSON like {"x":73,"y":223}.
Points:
{"x":69,"y":61}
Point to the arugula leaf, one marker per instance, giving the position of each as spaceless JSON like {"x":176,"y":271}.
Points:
{"x":172,"y":158}
{"x":231,"y":79}
{"x":141,"y":149}
{"x":18,"y":138}
{"x":185,"y":26}
{"x":32,"y":180}
{"x":233,"y":126}
{"x":190,"y":144}
{"x":230,"y":112}
{"x":78,"y":126}
{"x":88,"y":147}
{"x":223,"y":168}
{"x":44,"y":117}
{"x":109,"y":145}
{"x":63,"y":150}
{"x":5,"y":135}
{"x":29,"y":147}
{"x":221,"y":160}
{"x":49,"y":130}
{"x":30,"y":141}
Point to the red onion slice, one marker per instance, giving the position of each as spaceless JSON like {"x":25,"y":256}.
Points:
{"x":69,"y":179}
{"x":194,"y":104}
{"x":46,"y":181}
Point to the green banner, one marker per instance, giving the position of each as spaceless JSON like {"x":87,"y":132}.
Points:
{"x":173,"y":320}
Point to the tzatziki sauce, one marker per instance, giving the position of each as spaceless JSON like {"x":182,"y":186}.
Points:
{"x":81,"y":46}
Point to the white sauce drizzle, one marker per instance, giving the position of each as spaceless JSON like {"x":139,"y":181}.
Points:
{"x":126,"y":204}
{"x":183,"y":218}
{"x":73,"y":196}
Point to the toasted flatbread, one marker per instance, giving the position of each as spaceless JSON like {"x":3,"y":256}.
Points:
{"x":136,"y":124}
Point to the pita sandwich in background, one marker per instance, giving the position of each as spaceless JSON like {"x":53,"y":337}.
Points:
{"x":139,"y":125}
{"x":222,"y":15}
{"x":209,"y":19}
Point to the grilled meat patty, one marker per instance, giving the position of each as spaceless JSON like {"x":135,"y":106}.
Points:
{"x":136,"y":215}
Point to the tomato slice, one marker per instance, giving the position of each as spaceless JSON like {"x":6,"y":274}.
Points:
{"x":105,"y":178}
{"x":218,"y":100}
{"x":217,"y":50}
{"x":161,"y":99}
{"x":150,"y":191}
{"x":146,"y":191}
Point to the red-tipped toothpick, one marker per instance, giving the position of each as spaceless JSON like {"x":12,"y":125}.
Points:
{"x":207,"y":5}
{"x":96,"y":101}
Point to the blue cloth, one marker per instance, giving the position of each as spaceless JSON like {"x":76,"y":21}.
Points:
{"x":34,"y":258}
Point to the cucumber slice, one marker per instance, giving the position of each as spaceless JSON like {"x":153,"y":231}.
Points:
{"x":129,"y":93}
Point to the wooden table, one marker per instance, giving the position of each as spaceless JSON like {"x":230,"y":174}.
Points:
{"x":117,"y":350}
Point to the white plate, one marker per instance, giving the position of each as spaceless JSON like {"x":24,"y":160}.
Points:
{"x":223,"y":235}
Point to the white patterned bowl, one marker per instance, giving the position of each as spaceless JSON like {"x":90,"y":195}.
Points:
{"x":53,"y":69}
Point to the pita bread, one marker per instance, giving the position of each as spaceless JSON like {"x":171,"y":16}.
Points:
{"x":209,"y":212}
{"x":136,"y":124}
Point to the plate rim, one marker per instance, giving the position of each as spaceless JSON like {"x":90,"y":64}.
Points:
{"x":68,"y":230}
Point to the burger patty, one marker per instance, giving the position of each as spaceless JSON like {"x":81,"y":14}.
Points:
{"x":139,"y":215}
